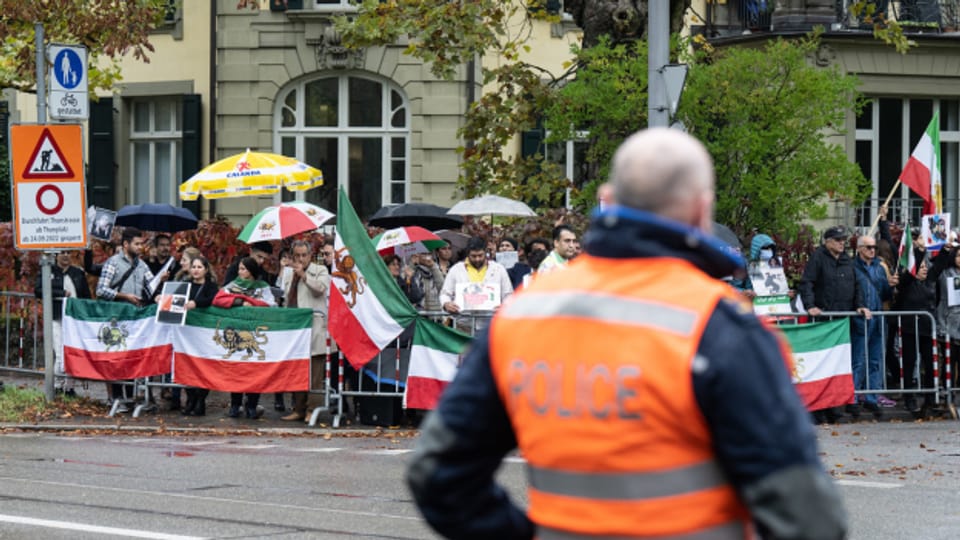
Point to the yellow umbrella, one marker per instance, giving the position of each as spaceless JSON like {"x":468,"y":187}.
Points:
{"x":250,"y":173}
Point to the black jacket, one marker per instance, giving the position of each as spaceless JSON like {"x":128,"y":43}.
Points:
{"x":830,"y":283}
{"x":204,"y":294}
{"x":916,"y":295}
{"x":56,"y":284}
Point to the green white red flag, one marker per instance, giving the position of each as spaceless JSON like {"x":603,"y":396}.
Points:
{"x":434,"y":360}
{"x":908,"y":260}
{"x":367,"y":308}
{"x":922,"y":172}
{"x":111,"y":341}
{"x":244,"y":349}
{"x":822,"y":370}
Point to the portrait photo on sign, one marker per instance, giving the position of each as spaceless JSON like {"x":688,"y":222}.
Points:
{"x":934,"y":229}
{"x":100,"y":222}
{"x":172,"y":306}
{"x":768,"y":279}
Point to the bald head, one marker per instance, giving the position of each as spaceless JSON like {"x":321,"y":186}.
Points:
{"x":666,"y":172}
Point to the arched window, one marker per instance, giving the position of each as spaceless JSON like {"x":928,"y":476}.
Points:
{"x":353,"y":127}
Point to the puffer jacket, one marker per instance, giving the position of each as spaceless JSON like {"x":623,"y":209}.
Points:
{"x":758,"y":242}
{"x":830,"y":283}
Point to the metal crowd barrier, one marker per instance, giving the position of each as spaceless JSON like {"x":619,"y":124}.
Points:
{"x":143,"y":388}
{"x":385,"y":375}
{"x":22,"y":332}
{"x":893,"y":326}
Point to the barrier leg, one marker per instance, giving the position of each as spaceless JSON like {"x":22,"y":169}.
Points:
{"x":339,"y":414}
{"x":936,"y":371}
{"x":949,"y":383}
{"x":315,"y":415}
{"x":898,"y":345}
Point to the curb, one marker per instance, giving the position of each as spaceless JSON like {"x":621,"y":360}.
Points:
{"x":239,"y":432}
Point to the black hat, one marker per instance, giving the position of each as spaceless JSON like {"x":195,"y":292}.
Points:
{"x":263,"y":246}
{"x":838,"y":232}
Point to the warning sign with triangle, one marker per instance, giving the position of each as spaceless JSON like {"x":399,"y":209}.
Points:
{"x":47,"y":161}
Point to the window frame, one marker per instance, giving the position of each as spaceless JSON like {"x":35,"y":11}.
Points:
{"x":172,"y":137}
{"x":580,"y":136}
{"x":343,"y":132}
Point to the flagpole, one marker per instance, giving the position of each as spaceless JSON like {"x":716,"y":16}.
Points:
{"x":873,"y":228}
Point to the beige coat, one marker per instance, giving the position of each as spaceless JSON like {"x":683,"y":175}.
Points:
{"x":312,"y":294}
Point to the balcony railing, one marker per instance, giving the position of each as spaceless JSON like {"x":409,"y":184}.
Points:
{"x":899,"y":211}
{"x":736,"y":17}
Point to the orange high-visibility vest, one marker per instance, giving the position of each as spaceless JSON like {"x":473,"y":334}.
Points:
{"x":594,"y":366}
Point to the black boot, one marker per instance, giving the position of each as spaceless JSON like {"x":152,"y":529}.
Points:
{"x":191,"y":402}
{"x":235,"y":401}
{"x":200,"y":409}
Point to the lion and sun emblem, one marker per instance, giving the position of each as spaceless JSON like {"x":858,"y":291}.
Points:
{"x":234,"y":341}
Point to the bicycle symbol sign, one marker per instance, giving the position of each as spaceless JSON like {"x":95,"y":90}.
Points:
{"x":68,"y":68}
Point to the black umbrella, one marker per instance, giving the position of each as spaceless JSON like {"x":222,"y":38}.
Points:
{"x":156,"y":217}
{"x":726,"y":235}
{"x":428,"y":216}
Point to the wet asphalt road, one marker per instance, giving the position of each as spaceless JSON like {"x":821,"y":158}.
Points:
{"x":899,"y":481}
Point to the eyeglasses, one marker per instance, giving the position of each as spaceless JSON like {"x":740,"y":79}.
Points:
{"x":869,"y":247}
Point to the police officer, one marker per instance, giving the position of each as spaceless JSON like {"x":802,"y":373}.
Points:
{"x":644,"y":395}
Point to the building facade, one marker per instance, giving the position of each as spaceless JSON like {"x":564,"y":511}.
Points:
{"x":903,"y":91}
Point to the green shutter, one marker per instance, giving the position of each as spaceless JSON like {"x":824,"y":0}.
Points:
{"x":192,"y":149}
{"x":101,"y":176}
{"x":531,"y":143}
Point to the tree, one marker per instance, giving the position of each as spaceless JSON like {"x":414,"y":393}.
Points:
{"x":607,"y":101}
{"x":764,"y":115}
{"x":448,"y":35}
{"x":109,"y":29}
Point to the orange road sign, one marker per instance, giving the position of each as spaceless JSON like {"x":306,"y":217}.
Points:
{"x":49,"y":194}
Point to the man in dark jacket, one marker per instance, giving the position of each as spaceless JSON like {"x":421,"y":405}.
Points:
{"x":66,"y":281}
{"x":829,"y":283}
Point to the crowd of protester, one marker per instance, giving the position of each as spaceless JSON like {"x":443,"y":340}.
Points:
{"x":884,"y":349}
{"x":139,"y":265}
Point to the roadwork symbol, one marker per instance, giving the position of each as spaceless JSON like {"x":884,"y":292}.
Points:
{"x":47,"y":161}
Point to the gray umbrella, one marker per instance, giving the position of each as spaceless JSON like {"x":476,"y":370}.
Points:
{"x":491,"y":205}
{"x":726,"y":235}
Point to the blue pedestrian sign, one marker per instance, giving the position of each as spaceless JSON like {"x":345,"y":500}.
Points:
{"x":68,"y":97}
{"x":68,"y":68}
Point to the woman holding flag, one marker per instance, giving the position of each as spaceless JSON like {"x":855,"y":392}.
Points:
{"x":247,"y":290}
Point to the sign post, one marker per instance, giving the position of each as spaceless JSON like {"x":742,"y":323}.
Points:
{"x":46,"y":162}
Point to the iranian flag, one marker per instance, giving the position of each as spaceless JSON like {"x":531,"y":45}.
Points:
{"x":112,"y":341}
{"x":922,"y":172}
{"x":908,"y":260}
{"x":244,"y":349}
{"x":822,"y":363}
{"x":367,"y":308}
{"x":434,"y":360}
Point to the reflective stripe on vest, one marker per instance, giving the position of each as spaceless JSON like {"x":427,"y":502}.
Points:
{"x":603,"y":354}
{"x":627,"y":486}
{"x":602,"y":307}
{"x":728,"y":531}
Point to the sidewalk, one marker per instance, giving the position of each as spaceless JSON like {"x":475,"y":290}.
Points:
{"x":215,"y":420}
